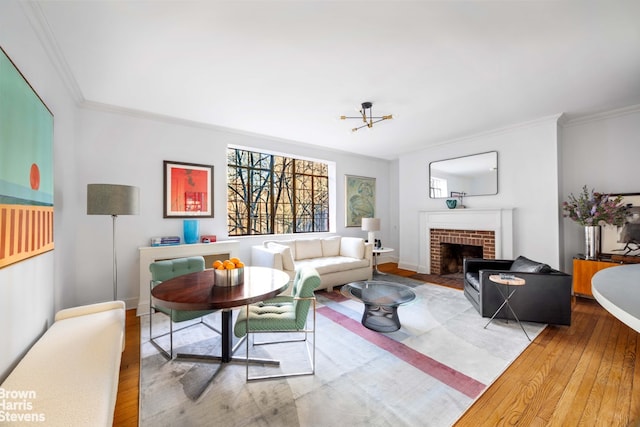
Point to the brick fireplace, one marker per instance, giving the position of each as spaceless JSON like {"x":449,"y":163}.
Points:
{"x":465,"y":240}
{"x":490,"y":228}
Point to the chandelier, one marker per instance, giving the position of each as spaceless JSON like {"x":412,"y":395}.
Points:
{"x":367,"y":117}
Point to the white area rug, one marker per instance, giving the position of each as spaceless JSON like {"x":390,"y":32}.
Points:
{"x":425,"y":374}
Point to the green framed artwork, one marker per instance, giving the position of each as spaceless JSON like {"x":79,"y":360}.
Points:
{"x":360,"y":194}
{"x":26,"y":168}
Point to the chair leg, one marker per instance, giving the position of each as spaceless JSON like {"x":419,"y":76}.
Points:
{"x":171,"y":333}
{"x":169,"y":355}
{"x":247,"y":341}
{"x":152,"y":340}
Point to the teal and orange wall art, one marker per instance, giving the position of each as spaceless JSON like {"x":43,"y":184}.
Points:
{"x":26,"y":168}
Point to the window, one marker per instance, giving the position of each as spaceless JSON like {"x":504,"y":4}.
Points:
{"x":438,"y":187}
{"x":269,"y":194}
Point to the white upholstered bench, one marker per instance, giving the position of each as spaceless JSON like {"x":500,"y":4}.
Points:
{"x":70,"y":375}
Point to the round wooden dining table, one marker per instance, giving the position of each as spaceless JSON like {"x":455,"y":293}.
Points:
{"x":196,"y":291}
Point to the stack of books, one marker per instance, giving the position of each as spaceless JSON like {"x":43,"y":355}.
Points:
{"x":165,"y":241}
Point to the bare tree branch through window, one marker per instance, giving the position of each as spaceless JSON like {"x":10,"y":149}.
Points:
{"x":269,"y":194}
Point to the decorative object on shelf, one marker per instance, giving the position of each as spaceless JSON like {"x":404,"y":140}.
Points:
{"x":460,"y":196}
{"x":208,"y":238}
{"x":360,"y":195}
{"x":591,"y":241}
{"x":371,"y":225}
{"x":451,"y":203}
{"x":191,"y":228}
{"x":188,"y":190}
{"x":593,"y":210}
{"x":366,"y":115}
{"x":114,"y":200}
{"x":165,"y":241}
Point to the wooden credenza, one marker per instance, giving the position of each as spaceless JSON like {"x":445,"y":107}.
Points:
{"x":583,"y":271}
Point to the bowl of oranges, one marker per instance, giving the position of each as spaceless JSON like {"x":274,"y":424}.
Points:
{"x":229,"y":272}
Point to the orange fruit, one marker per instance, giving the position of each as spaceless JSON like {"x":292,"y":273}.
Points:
{"x":230,"y":266}
{"x":239,"y":264}
{"x":234,"y":260}
{"x":217,"y":263}
{"x":220,"y":267}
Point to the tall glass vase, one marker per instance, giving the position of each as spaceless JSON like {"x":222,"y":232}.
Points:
{"x":592,"y":241}
{"x":190,"y":228}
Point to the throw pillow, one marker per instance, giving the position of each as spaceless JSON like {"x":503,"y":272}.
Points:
{"x":352,"y":247}
{"x":308,"y":248}
{"x":331,"y":246}
{"x":285,"y":252}
{"x":525,"y":265}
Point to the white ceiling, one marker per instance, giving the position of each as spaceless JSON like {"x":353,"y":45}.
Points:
{"x":289,"y":69}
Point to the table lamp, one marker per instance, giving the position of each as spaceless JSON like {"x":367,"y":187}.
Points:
{"x":114,"y":200}
{"x":371,"y":225}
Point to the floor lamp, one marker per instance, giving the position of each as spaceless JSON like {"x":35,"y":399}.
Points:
{"x":114,"y":200}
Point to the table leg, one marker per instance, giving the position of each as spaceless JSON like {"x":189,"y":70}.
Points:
{"x":381,"y":318}
{"x":507,"y":297}
{"x":227,"y":321}
{"x":375,"y":265}
{"x":227,"y":347}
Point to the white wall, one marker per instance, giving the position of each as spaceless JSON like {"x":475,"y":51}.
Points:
{"x":31,"y":291}
{"x":527,"y":181}
{"x":603,"y":153}
{"x":120,"y":148}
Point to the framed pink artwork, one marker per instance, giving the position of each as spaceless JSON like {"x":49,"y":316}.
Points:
{"x":188,"y":190}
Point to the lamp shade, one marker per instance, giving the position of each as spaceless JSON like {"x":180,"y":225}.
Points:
{"x":111,"y":199}
{"x":371,"y":224}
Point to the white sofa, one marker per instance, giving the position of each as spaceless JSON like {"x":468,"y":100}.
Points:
{"x":337,"y":259}
{"x":70,"y":375}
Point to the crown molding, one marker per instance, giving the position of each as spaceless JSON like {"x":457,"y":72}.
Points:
{"x":505,"y":129}
{"x":163,"y":118}
{"x":603,"y":115}
{"x":43,"y":31}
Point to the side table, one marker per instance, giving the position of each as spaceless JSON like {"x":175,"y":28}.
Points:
{"x":376,"y":253}
{"x":499,"y":280}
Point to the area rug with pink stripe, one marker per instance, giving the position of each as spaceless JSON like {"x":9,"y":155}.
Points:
{"x":425,"y":374}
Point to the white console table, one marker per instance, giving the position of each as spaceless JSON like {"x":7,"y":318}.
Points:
{"x":617,"y":289}
{"x":149,"y":254}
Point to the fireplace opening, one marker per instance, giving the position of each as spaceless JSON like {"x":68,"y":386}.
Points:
{"x":452,"y":254}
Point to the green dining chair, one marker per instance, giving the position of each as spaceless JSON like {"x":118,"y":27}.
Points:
{"x":283,"y":314}
{"x":165,"y":270}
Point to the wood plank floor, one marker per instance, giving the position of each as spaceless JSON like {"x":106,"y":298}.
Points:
{"x":127,"y":404}
{"x":586,"y":374}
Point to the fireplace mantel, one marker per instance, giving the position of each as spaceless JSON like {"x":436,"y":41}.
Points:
{"x":500,"y":221}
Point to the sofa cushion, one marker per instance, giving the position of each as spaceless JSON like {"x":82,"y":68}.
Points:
{"x":308,"y":248}
{"x":285,"y":252}
{"x":325,"y":265}
{"x":474,"y":280}
{"x":525,"y":265}
{"x":331,"y":246}
{"x":352,"y":247}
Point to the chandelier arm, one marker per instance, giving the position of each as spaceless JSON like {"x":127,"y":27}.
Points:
{"x":374,"y":117}
{"x":380,"y":119}
{"x":360,"y":127}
